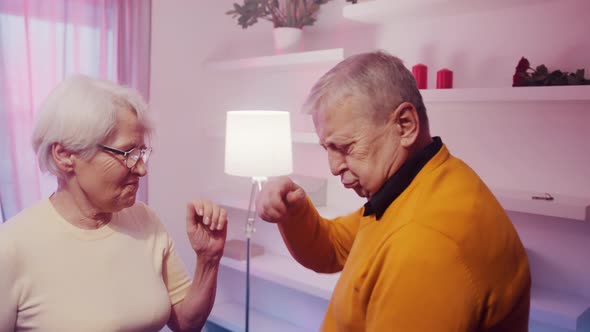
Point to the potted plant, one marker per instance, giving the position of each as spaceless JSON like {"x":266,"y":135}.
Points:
{"x":288,"y":18}
{"x":541,"y":76}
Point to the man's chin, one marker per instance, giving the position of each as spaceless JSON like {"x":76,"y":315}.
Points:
{"x":362,"y":193}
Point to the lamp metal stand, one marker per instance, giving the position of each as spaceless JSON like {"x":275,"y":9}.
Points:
{"x":251,"y":218}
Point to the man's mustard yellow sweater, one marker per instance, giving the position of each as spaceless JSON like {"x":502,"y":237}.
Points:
{"x":443,"y":257}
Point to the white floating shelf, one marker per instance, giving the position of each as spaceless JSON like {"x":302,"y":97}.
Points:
{"x":388,"y":11}
{"x":578,"y":93}
{"x":231,"y":316}
{"x":282,"y":60}
{"x":231,"y":199}
{"x":569,"y":207}
{"x":287,"y":272}
{"x":558,"y":309}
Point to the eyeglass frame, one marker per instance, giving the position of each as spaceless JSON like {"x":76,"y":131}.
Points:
{"x":142,"y":152}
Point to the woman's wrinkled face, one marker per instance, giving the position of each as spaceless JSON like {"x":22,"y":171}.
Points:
{"x":108,"y":184}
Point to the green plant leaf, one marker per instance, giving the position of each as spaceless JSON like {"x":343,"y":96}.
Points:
{"x":285,"y":13}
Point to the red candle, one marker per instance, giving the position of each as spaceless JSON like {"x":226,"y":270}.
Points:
{"x":420,"y":74}
{"x":444,"y":79}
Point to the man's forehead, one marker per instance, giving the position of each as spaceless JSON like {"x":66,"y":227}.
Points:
{"x":334,"y":126}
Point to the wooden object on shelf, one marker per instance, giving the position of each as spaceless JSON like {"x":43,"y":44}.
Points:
{"x":236,"y":249}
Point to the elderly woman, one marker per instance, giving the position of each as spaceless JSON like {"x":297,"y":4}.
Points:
{"x":91,"y":258}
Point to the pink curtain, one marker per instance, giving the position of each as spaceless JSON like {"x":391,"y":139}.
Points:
{"x":41,"y":43}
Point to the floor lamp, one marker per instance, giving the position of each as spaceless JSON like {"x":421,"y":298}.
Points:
{"x":258,"y":146}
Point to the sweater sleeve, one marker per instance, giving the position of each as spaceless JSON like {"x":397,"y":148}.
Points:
{"x":317,"y":243}
{"x":8,"y":285}
{"x":422,"y":285}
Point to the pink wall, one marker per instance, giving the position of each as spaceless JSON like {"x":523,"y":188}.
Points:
{"x":184,"y":32}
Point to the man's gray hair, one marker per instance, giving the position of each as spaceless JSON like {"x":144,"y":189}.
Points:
{"x":378,"y":77}
{"x":80,"y":113}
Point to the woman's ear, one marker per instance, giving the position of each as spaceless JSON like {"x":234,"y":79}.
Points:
{"x":63,"y":158}
{"x":405,"y":117}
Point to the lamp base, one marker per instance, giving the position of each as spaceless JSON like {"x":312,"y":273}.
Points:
{"x":236,"y":249}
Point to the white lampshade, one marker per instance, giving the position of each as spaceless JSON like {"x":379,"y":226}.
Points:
{"x":258,"y":143}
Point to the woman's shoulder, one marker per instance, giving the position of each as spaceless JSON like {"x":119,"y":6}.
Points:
{"x":28,"y":217}
{"x":16,"y":232}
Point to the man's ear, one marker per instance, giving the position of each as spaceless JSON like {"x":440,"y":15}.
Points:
{"x":405,"y":118}
{"x":63,"y":158}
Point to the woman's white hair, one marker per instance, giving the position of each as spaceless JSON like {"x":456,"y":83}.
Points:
{"x":379,"y":79}
{"x":80,"y":113}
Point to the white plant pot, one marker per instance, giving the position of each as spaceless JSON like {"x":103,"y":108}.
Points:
{"x":287,"y":40}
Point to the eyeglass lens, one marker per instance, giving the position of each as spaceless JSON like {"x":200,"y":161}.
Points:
{"x":134,"y":156}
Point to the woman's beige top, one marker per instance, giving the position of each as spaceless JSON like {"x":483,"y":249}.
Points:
{"x":56,"y":277}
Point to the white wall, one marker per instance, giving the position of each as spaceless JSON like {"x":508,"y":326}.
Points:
{"x":517,"y":146}
{"x":184,"y":32}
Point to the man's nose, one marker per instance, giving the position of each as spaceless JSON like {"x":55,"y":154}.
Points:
{"x":336,"y":162}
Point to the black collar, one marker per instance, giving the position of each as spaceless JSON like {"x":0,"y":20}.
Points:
{"x":396,"y":184}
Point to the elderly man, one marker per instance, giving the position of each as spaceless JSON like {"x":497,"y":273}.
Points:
{"x":432,"y":249}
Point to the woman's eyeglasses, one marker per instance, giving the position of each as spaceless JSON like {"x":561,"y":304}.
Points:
{"x":132,"y":156}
